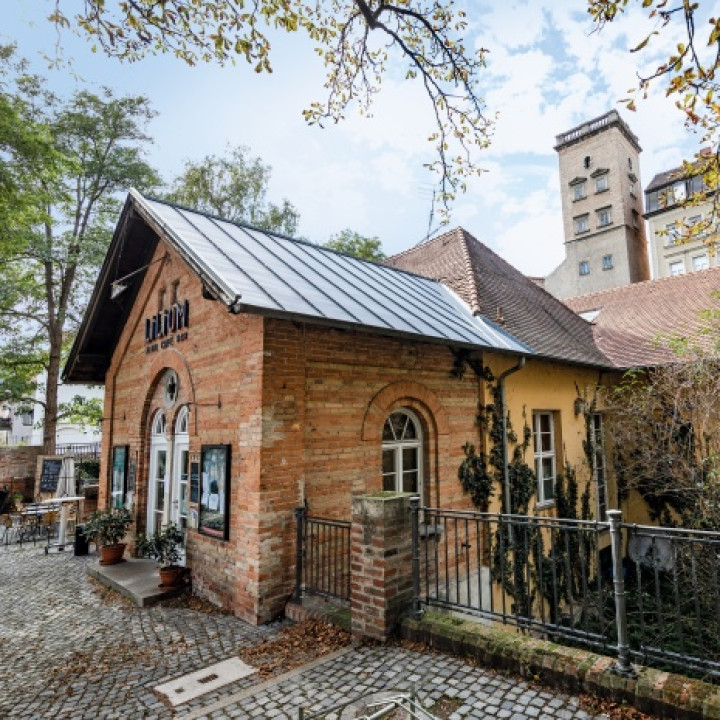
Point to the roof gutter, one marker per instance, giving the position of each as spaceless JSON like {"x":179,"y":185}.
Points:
{"x":506,"y":467}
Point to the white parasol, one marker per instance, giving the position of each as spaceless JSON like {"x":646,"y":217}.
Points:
{"x":66,"y":481}
{"x":65,"y":488}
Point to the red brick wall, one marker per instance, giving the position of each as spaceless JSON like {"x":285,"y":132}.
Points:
{"x":302,"y":407}
{"x":326,"y":395}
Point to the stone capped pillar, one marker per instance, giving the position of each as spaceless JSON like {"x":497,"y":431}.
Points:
{"x":381,"y":563}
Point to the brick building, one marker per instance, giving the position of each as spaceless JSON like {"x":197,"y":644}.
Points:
{"x":247,"y":374}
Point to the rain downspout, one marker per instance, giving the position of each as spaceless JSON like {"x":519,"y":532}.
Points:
{"x":506,"y":471}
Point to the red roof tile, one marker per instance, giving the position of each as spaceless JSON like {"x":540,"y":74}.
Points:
{"x":634,"y":322}
{"x":502,"y":294}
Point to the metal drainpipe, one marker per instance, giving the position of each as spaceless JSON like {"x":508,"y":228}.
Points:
{"x":506,"y":472}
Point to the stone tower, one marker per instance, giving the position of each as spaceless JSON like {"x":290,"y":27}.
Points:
{"x":602,"y":207}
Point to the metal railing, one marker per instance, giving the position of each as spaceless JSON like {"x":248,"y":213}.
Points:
{"x":323,"y":557}
{"x":673,"y":597}
{"x":644,"y":593}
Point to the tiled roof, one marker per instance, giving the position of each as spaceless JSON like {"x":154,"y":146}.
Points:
{"x":503,"y":294}
{"x":634,"y":321}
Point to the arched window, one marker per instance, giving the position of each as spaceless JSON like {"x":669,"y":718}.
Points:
{"x":158,"y":426}
{"x":402,"y":452}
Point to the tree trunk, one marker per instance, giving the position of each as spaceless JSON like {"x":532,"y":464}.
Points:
{"x":51,"y":399}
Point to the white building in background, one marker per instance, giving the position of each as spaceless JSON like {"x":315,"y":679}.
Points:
{"x":22,"y":424}
{"x":672,"y":250}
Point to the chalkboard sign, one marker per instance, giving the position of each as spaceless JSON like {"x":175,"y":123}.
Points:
{"x":50,"y":474}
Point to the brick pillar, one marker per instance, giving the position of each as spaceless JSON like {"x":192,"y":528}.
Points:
{"x":381,"y":563}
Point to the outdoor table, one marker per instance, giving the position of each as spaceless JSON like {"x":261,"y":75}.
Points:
{"x":64,"y":503}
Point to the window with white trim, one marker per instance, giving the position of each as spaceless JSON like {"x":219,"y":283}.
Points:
{"x":402,"y":453}
{"x":584,"y":267}
{"x":677,"y":267}
{"x":607,"y":262}
{"x":581,"y":224}
{"x":604,"y":217}
{"x":700,"y":262}
{"x":579,"y":191}
{"x":601,"y":183}
{"x":545,"y":461}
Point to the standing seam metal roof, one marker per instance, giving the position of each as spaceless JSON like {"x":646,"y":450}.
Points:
{"x":259,"y":271}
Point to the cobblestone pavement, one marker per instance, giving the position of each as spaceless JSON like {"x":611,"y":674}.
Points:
{"x":69,"y":655}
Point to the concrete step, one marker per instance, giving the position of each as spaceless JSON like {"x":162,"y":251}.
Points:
{"x":137,"y":580}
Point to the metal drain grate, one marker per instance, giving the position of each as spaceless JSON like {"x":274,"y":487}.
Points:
{"x":188,"y":687}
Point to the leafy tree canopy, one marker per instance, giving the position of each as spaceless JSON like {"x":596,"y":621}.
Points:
{"x":68,"y":164}
{"x":689,"y":73}
{"x":352,"y":243}
{"x":235,"y":188}
{"x":357,"y":39}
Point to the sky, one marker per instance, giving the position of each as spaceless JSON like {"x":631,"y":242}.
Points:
{"x":548,"y":70}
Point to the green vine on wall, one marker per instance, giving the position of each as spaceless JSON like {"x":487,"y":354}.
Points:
{"x":521,"y":547}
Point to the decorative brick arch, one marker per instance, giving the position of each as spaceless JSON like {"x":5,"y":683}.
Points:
{"x":403,"y":393}
{"x":172,"y":360}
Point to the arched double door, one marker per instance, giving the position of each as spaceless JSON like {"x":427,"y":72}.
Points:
{"x":168,"y":489}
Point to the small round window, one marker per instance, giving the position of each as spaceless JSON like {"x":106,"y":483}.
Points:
{"x":171,"y":388}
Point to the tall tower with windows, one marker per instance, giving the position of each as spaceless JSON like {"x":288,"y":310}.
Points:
{"x":602,"y":207}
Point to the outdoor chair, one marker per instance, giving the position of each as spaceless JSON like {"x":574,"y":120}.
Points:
{"x":48,"y":524}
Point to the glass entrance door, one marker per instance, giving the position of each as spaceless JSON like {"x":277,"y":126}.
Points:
{"x":158,"y":476}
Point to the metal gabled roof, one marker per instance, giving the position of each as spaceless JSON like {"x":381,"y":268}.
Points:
{"x":256,"y":271}
{"x":259,"y":271}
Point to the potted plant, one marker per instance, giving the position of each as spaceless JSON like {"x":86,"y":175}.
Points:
{"x":165,"y":547}
{"x":106,"y":528}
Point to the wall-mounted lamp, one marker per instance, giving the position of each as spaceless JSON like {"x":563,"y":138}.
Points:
{"x":579,"y":406}
{"x":117,"y":287}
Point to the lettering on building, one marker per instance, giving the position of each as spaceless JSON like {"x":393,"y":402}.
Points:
{"x":167,"y":327}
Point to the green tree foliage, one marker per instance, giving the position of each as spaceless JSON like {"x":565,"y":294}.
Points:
{"x":687,"y":72}
{"x":235,"y":188}
{"x":85,"y":152}
{"x":356,"y":39}
{"x":352,"y":243}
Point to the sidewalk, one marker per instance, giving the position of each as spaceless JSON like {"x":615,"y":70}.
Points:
{"x":73,"y":652}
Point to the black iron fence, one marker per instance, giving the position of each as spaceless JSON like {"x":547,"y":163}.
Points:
{"x":646,"y":593}
{"x":323,"y":557}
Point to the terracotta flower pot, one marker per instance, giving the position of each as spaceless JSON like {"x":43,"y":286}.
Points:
{"x":112,"y":554}
{"x":171,"y":577}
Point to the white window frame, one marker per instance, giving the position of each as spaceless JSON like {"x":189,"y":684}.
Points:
{"x":607,"y":262}
{"x":601,"y":184}
{"x":582,"y":224}
{"x":544,"y":498}
{"x":677,"y":267}
{"x":397,"y":447}
{"x":584,"y":267}
{"x":695,"y":264}
{"x":579,"y":191}
{"x":604,"y":217}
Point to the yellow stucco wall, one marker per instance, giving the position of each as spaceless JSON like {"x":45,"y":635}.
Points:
{"x":552,"y":387}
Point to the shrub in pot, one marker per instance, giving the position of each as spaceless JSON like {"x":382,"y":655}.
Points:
{"x":165,"y":547}
{"x":106,"y":528}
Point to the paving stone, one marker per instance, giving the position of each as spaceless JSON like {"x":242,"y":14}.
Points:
{"x":67,"y":655}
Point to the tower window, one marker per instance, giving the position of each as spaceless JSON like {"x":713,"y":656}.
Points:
{"x":607,"y":262}
{"x":581,"y":224}
{"x":604,"y":217}
{"x":601,"y":183}
{"x":584,"y":267}
{"x":579,"y":191}
{"x":587,"y":161}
